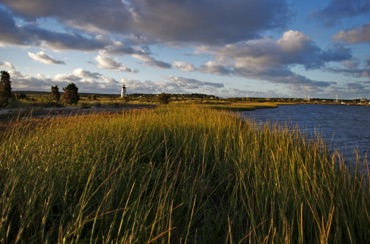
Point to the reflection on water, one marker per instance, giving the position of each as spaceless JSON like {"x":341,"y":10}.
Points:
{"x":345,"y":128}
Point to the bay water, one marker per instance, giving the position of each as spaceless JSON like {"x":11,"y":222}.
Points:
{"x":344,"y":128}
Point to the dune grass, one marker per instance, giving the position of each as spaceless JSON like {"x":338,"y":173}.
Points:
{"x":176,"y":174}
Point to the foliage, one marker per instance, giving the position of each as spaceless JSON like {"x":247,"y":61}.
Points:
{"x":176,"y":174}
{"x":21,"y":96}
{"x":5,"y":89}
{"x":70,"y":95}
{"x":164,"y":98}
{"x":55,"y":94}
{"x":91,"y":97}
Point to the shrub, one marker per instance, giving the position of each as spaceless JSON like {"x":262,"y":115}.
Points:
{"x":70,"y":95}
{"x":55,"y":94}
{"x":164,"y":98}
{"x":5,"y":88}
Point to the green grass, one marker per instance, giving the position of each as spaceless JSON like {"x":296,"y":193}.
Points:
{"x":176,"y":174}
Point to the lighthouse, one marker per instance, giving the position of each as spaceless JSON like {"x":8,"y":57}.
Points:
{"x":123,"y":91}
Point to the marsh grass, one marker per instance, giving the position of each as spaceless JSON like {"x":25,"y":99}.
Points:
{"x":242,"y":106}
{"x":176,"y":174}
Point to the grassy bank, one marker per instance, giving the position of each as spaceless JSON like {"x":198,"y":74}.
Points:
{"x":243,"y":106}
{"x":176,"y":174}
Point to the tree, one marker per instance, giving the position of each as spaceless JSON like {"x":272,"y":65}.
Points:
{"x":55,"y":94}
{"x":70,"y":95}
{"x":164,"y":98}
{"x":5,"y":88}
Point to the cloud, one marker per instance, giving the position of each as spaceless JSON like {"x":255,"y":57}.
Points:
{"x":137,"y":86}
{"x":173,"y":84}
{"x":271,"y":60}
{"x":6,"y":65}
{"x":192,"y":84}
{"x":339,"y":9}
{"x":26,"y":34}
{"x":44,"y":58}
{"x":31,"y":83}
{"x":109,"y":63}
{"x":355,"y":35}
{"x":97,"y":15}
{"x":88,"y":81}
{"x":199,"y":21}
{"x":353,"y":72}
{"x":188,"y":67}
{"x":163,"y":20}
{"x":212,"y":67}
{"x":293,"y":48}
{"x":120,"y":48}
{"x":150,"y":61}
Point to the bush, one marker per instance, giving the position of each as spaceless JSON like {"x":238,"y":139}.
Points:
{"x":164,"y":98}
{"x":5,"y":89}
{"x":55,"y":94}
{"x":70,"y":95}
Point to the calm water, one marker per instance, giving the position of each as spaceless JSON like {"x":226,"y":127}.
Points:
{"x":342,"y":127}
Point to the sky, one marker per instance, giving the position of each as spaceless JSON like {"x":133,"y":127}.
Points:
{"x":227,"y":48}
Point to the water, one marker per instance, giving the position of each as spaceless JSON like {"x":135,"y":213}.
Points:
{"x":343,"y":128}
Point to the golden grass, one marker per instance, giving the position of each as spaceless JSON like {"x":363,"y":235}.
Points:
{"x":177,"y":174}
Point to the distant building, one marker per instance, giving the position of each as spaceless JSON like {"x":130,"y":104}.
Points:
{"x":123,"y":91}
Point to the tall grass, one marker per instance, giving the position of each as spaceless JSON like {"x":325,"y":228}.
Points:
{"x":176,"y":174}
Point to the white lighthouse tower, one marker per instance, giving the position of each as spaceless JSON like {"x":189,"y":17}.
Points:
{"x":123,"y":91}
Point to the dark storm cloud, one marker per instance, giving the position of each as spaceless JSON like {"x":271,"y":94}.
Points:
{"x":201,"y":21}
{"x":353,"y":72}
{"x":193,"y":20}
{"x":339,"y":9}
{"x":32,"y":34}
{"x":93,"y":15}
{"x":121,"y":48}
{"x":9,"y":32}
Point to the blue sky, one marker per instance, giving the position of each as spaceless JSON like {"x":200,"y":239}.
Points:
{"x":228,"y":48}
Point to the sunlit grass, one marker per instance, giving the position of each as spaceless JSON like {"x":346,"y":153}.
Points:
{"x":177,"y":174}
{"x":243,"y":106}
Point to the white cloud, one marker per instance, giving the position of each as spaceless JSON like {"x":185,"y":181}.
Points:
{"x":183,"y":66}
{"x":109,"y":63}
{"x":44,"y":58}
{"x":293,"y":48}
{"x":271,"y":60}
{"x":173,"y":84}
{"x":192,"y":84}
{"x":6,"y":65}
{"x":294,"y":41}
{"x":88,"y":81}
{"x":150,"y":61}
